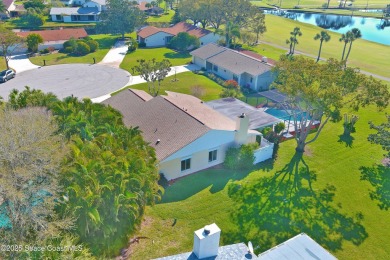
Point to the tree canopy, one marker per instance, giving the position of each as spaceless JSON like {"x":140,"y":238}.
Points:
{"x":184,"y":41}
{"x":120,"y":17}
{"x":33,"y":40}
{"x":316,"y":93}
{"x":9,"y":42}
{"x":382,"y":135}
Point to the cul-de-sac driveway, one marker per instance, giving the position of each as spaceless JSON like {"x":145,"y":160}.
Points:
{"x":80,"y":80}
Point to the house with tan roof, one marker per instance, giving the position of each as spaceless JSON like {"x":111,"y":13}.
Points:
{"x":247,"y":70}
{"x":156,"y":37}
{"x":54,"y":38}
{"x":187,"y":135}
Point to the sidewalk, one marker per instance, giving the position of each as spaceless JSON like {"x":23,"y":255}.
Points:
{"x":21,"y":63}
{"x":137,"y":79}
{"x":115,"y":55}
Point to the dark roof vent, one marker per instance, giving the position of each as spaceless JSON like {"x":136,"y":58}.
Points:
{"x":158,"y":141}
{"x":242,"y":115}
{"x":206,"y":230}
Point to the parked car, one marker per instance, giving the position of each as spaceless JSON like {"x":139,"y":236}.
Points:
{"x":6,"y":75}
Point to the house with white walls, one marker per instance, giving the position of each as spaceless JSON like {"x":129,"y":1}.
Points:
{"x":187,"y":135}
{"x":89,"y":12}
{"x":156,"y":37}
{"x":206,"y":246}
{"x":228,"y":64}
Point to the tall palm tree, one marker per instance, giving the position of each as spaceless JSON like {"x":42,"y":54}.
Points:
{"x":293,"y":39}
{"x":322,"y":36}
{"x":356,"y":34}
{"x":346,"y":38}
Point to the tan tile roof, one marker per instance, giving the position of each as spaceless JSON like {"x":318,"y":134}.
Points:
{"x":142,"y":94}
{"x":142,"y":6}
{"x":158,"y":118}
{"x":197,"y":109}
{"x":57,"y":35}
{"x":174,"y":30}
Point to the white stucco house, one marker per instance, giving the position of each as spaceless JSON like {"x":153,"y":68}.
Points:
{"x":89,"y":12}
{"x":229,"y":64}
{"x":157,"y":37}
{"x":53,"y":38}
{"x":188,"y":135}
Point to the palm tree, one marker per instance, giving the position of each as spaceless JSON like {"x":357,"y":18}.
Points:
{"x":293,"y":39}
{"x":356,"y":34}
{"x":346,"y":38}
{"x":323,"y":36}
{"x":231,"y":31}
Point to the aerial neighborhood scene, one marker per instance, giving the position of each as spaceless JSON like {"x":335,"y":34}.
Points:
{"x":195,"y":129}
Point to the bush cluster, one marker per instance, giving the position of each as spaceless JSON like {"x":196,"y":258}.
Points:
{"x":80,"y":47}
{"x":133,"y":45}
{"x":241,"y":157}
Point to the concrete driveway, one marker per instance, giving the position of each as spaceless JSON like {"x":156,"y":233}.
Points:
{"x":80,"y":80}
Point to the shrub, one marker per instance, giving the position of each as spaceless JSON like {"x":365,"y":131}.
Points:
{"x":82,"y":48}
{"x":242,"y":157}
{"x":93,"y":45}
{"x":68,"y":49}
{"x":184,"y":41}
{"x":33,"y":40}
{"x":279,"y":127}
{"x":44,"y":51}
{"x":231,"y":84}
{"x":71,"y":43}
{"x":133,"y":45}
{"x":51,"y":48}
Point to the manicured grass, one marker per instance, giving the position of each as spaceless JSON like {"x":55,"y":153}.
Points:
{"x":318,"y":3}
{"x":164,"y":18}
{"x":17,"y":23}
{"x":366,"y":55}
{"x":105,"y":43}
{"x":175,"y":58}
{"x":322,"y":194}
{"x":267,"y":50}
{"x":2,"y":64}
{"x":185,"y":84}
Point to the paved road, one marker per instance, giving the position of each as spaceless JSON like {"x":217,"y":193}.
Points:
{"x":80,"y":80}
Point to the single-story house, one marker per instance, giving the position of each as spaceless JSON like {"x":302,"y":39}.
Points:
{"x":206,"y":246}
{"x":153,"y":10}
{"x":8,"y":7}
{"x":89,"y":12}
{"x":228,"y":64}
{"x":155,"y":37}
{"x":54,"y":38}
{"x":188,"y":135}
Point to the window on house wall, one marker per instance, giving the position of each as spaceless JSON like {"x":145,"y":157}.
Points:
{"x":251,"y":80}
{"x":213,"y":155}
{"x":58,"y":17}
{"x":185,"y":164}
{"x":215,"y":68}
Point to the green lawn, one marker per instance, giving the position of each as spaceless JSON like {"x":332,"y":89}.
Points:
{"x":175,"y":58}
{"x":267,"y":50}
{"x":368,"y":56}
{"x":17,"y":23}
{"x":105,"y":43}
{"x":319,"y":3}
{"x":164,"y":18}
{"x":187,"y":81}
{"x":324,"y":194}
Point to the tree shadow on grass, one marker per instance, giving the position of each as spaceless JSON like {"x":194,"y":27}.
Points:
{"x":274,"y":209}
{"x":177,"y":55}
{"x":379,"y":177}
{"x":194,"y":183}
{"x":347,"y":139}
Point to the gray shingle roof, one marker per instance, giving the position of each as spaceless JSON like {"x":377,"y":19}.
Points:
{"x":231,"y":60}
{"x":231,"y":252}
{"x":158,"y":118}
{"x":74,"y":11}
{"x":207,"y":51}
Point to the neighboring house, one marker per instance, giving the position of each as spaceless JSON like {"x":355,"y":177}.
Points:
{"x":89,"y":12}
{"x":9,"y":6}
{"x":188,"y":135}
{"x":247,"y":70}
{"x":150,"y":10}
{"x":54,"y":38}
{"x":155,"y":37}
{"x":206,"y":246}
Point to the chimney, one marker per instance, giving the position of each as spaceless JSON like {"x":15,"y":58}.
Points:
{"x":206,"y":241}
{"x":242,"y":127}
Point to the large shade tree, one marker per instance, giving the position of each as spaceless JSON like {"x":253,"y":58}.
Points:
{"x":9,"y":42}
{"x":30,"y":163}
{"x":382,"y":135}
{"x":121,"y":17}
{"x":316,"y":93}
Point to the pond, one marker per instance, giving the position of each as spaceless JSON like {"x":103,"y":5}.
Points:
{"x":373,"y":29}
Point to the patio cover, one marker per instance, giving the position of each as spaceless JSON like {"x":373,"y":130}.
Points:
{"x":273,"y":95}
